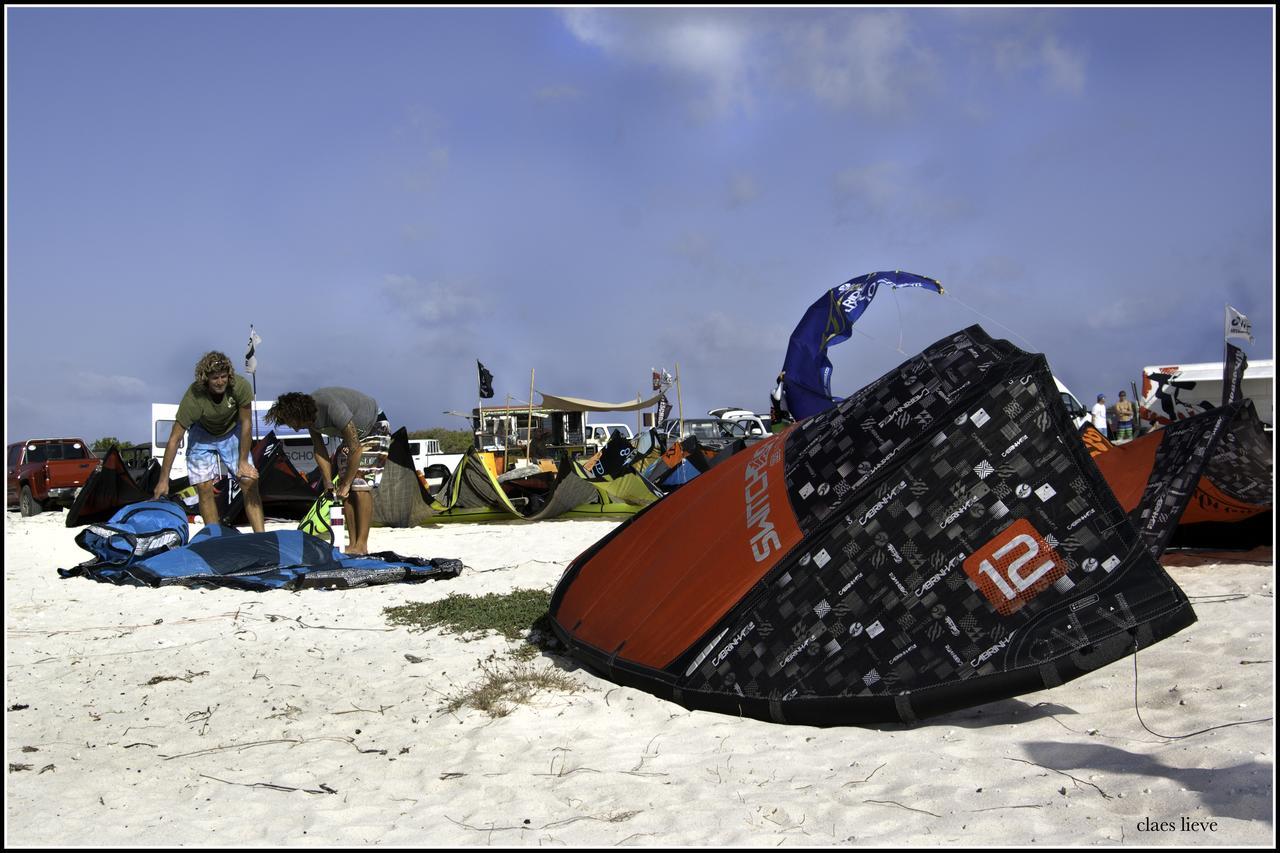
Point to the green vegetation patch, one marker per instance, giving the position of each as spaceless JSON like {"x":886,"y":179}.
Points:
{"x":512,"y":615}
{"x":499,"y":691}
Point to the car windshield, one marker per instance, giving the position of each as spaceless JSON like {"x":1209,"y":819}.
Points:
{"x":704,"y":429}
{"x":56,"y":450}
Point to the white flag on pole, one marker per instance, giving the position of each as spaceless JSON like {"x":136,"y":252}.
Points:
{"x":250,"y":359}
{"x":1238,"y":326}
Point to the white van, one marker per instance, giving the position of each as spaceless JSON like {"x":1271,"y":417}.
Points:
{"x":1173,"y":391}
{"x":1079,"y":414}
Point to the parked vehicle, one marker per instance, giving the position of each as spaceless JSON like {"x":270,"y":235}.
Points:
{"x":598,"y":435}
{"x":1174,"y":391}
{"x":135,"y":459}
{"x":434,"y":465}
{"x":712,"y":433}
{"x":1079,"y":414}
{"x":47,"y":472}
{"x":753,"y":423}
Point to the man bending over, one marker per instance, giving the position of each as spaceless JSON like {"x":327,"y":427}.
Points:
{"x":366,"y":438}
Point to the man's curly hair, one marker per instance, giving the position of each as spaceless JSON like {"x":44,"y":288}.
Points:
{"x":212,"y":364}
{"x":292,"y":408}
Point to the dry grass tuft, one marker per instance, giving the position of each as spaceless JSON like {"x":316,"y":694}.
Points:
{"x":499,"y":691}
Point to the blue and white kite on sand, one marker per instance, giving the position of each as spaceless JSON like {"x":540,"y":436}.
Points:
{"x":146,"y":545}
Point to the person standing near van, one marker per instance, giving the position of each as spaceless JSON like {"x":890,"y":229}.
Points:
{"x":1124,"y":418}
{"x":1099,"y":415}
{"x":366,"y":439}
{"x":216,"y":411}
{"x":779,"y":416}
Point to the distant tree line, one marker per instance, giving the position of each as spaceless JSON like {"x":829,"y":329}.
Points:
{"x":451,"y":440}
{"x":105,"y":443}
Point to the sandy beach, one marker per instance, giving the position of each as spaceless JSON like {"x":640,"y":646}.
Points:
{"x":165,"y":717}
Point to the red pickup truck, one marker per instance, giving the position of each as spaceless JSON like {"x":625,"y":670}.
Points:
{"x":47,"y":472}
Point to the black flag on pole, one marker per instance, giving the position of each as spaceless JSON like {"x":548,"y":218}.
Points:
{"x":664,"y":409}
{"x":486,"y":381}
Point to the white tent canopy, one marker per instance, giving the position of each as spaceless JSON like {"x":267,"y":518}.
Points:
{"x":577,"y":404}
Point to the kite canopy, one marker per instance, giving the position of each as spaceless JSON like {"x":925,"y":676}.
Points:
{"x":108,"y":488}
{"x":938,"y":540}
{"x":1231,"y":505}
{"x":474,"y":493}
{"x":807,"y":369}
{"x":284,"y":559}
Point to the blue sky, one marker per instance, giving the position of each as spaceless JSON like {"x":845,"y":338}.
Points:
{"x":390,"y":194}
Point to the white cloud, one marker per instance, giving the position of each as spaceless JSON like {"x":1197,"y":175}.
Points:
{"x":711,"y":48}
{"x":439,"y":304}
{"x":872,"y":60}
{"x":868,"y":60}
{"x":1064,"y":66}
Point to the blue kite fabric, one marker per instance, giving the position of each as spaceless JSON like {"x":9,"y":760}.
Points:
{"x":807,"y":369}
{"x":283,"y":559}
{"x":137,"y":531}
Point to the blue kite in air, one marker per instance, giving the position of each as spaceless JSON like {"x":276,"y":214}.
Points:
{"x":807,"y":370}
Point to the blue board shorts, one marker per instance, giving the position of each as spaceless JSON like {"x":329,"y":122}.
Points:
{"x":204,"y":451}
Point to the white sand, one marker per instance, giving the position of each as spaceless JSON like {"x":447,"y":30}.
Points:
{"x":297,"y":719}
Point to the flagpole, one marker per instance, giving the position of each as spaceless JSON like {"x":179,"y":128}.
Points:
{"x":528,"y":435}
{"x":679,"y":399}
{"x":506,"y":441}
{"x":480,"y":407}
{"x":253,"y":404}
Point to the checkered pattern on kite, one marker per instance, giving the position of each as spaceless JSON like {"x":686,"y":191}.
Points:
{"x":849,"y":445}
{"x":1186,"y":445}
{"x":1241,"y":465}
{"x":882,"y":598}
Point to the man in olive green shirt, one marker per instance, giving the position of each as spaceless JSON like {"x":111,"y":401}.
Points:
{"x":214,"y":406}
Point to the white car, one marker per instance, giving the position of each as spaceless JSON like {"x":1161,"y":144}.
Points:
{"x":601,"y":433}
{"x":752,"y":424}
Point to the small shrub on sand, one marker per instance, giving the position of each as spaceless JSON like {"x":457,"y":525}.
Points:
{"x":520,"y":614}
{"x":499,"y":691}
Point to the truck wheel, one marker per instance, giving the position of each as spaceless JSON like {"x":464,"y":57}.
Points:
{"x":28,"y":504}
